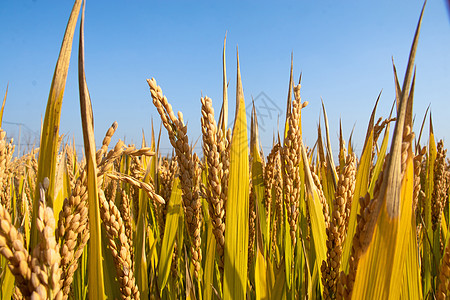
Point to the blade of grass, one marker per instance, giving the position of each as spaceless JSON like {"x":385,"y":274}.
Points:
{"x":379,"y":273}
{"x":50,"y":129}
{"x":236,"y":232}
{"x":257,"y":177}
{"x":174,"y":212}
{"x":208,"y":275}
{"x":3,"y":107}
{"x":329,"y":153}
{"x":223,"y":117}
{"x":361,"y":186}
{"x":427,"y":257}
{"x":95,"y":266}
{"x":318,"y":227}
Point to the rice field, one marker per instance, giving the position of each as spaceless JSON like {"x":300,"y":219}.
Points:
{"x":230,"y":222}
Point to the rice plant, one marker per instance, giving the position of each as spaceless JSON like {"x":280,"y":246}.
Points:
{"x":228,"y":222}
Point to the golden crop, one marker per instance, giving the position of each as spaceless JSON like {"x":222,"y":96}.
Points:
{"x":228,"y":223}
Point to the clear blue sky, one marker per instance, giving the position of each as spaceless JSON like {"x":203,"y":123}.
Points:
{"x":343,"y":48}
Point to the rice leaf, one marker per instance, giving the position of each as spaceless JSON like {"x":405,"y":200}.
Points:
{"x":412,"y":279}
{"x":95,"y":267}
{"x":223,"y":117}
{"x":289,"y":98}
{"x":361,"y":186}
{"x":318,"y":227}
{"x":62,"y":186}
{"x":50,"y":129}
{"x":174,"y":211}
{"x":330,"y":161}
{"x":8,"y":281}
{"x":140,"y":252}
{"x":427,"y":257}
{"x":236,"y":232}
{"x":3,"y":107}
{"x":261,"y":280}
{"x":380,"y":270}
{"x":380,"y":160}
{"x":288,"y":257}
{"x":279,"y":288}
{"x":257,"y":177}
{"x":208,"y":274}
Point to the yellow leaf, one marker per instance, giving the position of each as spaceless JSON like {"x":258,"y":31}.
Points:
{"x":95,"y":259}
{"x":236,"y":232}
{"x":3,"y":107}
{"x":174,"y":212}
{"x":50,"y":130}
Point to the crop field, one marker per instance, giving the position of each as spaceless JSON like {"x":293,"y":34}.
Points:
{"x":229,"y":222}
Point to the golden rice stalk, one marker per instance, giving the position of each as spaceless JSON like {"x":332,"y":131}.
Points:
{"x":106,"y":141}
{"x":439,"y":196}
{"x":147,"y":187}
{"x":224,"y":150}
{"x":73,"y":231}
{"x":444,"y":275}
{"x":177,"y":131}
{"x":278,"y":205}
{"x":110,"y":188}
{"x":13,"y":249}
{"x":336,"y":231}
{"x":251,"y":223}
{"x":360,"y":241}
{"x":215,"y":174}
{"x":70,"y":162}
{"x":120,"y":246}
{"x":46,"y":262}
{"x":273,"y":186}
{"x":125,"y":212}
{"x":6,"y":169}
{"x":322,"y":198}
{"x":167,"y":172}
{"x":73,"y":227}
{"x":120,"y":149}
{"x":269,"y":180}
{"x":417,"y":171}
{"x":290,"y":153}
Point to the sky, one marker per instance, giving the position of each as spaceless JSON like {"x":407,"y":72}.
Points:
{"x":343,"y":49}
